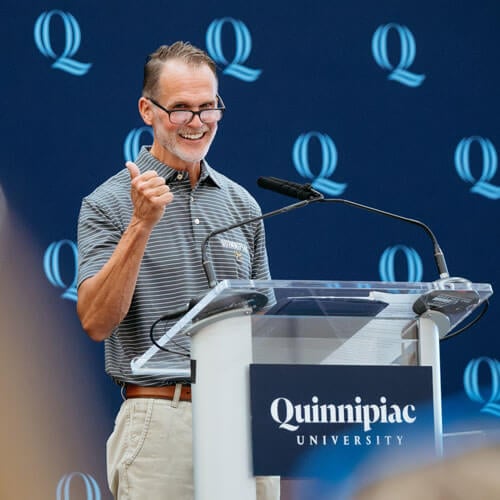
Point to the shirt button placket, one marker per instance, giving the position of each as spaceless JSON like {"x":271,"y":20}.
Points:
{"x":195,"y":217}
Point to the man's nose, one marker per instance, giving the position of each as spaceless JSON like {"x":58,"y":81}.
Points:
{"x":195,"y":121}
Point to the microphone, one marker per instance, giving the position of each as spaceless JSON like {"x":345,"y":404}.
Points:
{"x":306,"y":192}
{"x":289,"y":188}
{"x":298,"y":189}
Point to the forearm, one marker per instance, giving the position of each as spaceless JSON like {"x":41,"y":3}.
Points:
{"x":104,"y":299}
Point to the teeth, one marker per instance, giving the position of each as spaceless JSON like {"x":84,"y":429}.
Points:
{"x":192,"y":136}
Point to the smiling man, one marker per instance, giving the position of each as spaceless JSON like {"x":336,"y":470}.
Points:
{"x":139,"y":238}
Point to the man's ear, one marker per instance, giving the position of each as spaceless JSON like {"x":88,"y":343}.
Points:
{"x":146,"y":110}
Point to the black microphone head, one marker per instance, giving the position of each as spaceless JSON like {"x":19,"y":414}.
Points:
{"x":289,"y":188}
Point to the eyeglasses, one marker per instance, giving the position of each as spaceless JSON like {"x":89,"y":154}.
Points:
{"x":185,"y":116}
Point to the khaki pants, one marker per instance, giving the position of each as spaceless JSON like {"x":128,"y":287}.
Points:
{"x":149,"y":453}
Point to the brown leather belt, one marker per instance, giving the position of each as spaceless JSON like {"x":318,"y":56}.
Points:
{"x":164,"y":392}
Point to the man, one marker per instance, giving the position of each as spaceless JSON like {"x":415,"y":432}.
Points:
{"x":139,"y":238}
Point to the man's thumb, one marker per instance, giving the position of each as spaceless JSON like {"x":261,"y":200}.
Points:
{"x":133,"y":169}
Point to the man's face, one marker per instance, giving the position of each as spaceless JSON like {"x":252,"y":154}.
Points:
{"x":182,"y":86}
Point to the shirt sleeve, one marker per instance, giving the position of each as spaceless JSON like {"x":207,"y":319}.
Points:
{"x":98,"y":236}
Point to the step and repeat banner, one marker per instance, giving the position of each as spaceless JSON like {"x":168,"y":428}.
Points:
{"x":391,"y":104}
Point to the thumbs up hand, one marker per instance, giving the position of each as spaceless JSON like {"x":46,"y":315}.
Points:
{"x":149,"y":193}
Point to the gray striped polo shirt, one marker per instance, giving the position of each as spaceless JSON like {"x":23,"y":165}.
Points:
{"x":171,"y":271}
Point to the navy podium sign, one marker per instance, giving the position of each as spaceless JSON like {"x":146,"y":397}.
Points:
{"x":351,"y":412}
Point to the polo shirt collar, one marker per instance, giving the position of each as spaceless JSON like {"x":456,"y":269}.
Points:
{"x":146,"y":161}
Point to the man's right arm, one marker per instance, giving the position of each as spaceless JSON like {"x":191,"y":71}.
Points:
{"x":104,"y":299}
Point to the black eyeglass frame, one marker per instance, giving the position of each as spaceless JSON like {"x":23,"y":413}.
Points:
{"x":220,"y":108}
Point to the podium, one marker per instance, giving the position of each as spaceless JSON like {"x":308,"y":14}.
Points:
{"x":240,"y":323}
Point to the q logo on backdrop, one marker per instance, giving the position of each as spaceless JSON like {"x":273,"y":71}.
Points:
{"x":53,"y":264}
{"x":490,"y":404}
{"x":387,"y":267}
{"x":482,"y":186}
{"x":90,"y":484}
{"x":72,"y":39}
{"x":242,"y":49}
{"x":300,"y":157}
{"x":132,"y":142}
{"x":408,"y":49}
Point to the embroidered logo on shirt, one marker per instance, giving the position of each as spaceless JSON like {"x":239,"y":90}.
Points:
{"x":239,"y":248}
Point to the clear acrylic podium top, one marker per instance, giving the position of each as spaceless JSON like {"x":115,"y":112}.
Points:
{"x":325,"y":322}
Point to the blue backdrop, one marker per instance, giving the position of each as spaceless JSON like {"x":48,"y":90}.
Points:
{"x":392,"y":104}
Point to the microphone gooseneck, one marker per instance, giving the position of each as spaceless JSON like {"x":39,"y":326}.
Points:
{"x":306,"y":192}
{"x":438,"y":253}
{"x":206,"y":262}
